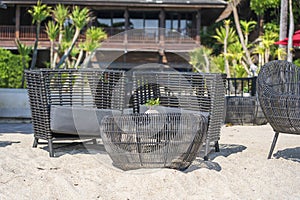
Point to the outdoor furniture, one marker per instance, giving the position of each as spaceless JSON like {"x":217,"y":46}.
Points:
{"x":242,"y":105}
{"x":169,"y":140}
{"x":200,"y":93}
{"x":68,"y":104}
{"x":279,"y":96}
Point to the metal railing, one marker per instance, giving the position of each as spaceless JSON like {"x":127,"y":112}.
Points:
{"x":8,"y":32}
{"x":241,"y":86}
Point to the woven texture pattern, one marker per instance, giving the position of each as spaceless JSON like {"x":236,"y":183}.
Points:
{"x":203,"y":92}
{"x":279,"y":95}
{"x":242,"y":105}
{"x":153,"y":140}
{"x":85,"y":87}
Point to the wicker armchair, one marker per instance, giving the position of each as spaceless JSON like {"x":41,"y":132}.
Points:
{"x":279,"y":95}
{"x":68,"y":104}
{"x":191,"y":92}
{"x":169,"y":140}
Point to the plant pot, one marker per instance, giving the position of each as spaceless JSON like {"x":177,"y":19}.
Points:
{"x":151,"y":110}
{"x":14,"y":104}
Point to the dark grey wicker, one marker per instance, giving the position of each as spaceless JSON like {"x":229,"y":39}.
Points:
{"x":199,"y":92}
{"x":153,"y":140}
{"x":242,"y":107}
{"x":279,"y":95}
{"x":92,"y":88}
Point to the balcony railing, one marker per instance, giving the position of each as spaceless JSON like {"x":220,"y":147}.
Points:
{"x":116,"y":35}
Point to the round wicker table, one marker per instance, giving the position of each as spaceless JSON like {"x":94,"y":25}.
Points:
{"x":169,"y":140}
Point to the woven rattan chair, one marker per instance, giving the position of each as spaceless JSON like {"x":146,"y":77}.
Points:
{"x":279,"y":95}
{"x":169,"y":140}
{"x":67,"y":104}
{"x":195,"y":92}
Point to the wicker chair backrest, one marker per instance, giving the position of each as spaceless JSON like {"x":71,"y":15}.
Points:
{"x":279,"y":95}
{"x":203,"y":92}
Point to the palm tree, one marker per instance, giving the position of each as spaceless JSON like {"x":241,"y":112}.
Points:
{"x":39,"y":13}
{"x":52,"y":31}
{"x":80,"y":18}
{"x":24,"y":51}
{"x":93,"y":37}
{"x":225,"y":35}
{"x":247,"y":27}
{"x":60,"y":14}
{"x":233,"y":4}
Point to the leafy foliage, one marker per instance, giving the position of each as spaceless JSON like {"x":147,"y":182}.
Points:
{"x":260,"y":6}
{"x":11,"y":70}
{"x":153,"y":102}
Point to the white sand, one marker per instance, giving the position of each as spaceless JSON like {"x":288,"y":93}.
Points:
{"x":239,"y":171}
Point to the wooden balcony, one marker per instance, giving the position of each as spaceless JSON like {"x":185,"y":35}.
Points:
{"x":131,"y":40}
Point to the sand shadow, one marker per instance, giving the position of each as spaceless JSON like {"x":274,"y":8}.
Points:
{"x":24,"y":128}
{"x":73,"y":148}
{"x":7,"y":143}
{"x":226,"y":150}
{"x":201,"y":164}
{"x":289,"y":154}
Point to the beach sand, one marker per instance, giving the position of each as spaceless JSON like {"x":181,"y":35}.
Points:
{"x":240,"y":171}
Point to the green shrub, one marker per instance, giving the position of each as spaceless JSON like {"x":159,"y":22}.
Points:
{"x":11,"y":70}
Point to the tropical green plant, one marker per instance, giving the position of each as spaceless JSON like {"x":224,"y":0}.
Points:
{"x":52,"y":31}
{"x":200,"y":59}
{"x":265,"y":48}
{"x":248,"y":59}
{"x":11,"y":69}
{"x":297,"y":62}
{"x":39,"y":13}
{"x":247,"y":28}
{"x":260,"y":7}
{"x":60,"y":14}
{"x":153,"y":102}
{"x":246,"y":89}
{"x":226,"y":36}
{"x":93,"y":37}
{"x":24,"y":52}
{"x":80,"y":18}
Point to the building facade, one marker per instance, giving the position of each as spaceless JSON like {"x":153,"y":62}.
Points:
{"x":154,"y":29}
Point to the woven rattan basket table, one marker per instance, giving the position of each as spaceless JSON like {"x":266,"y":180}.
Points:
{"x":153,"y":140}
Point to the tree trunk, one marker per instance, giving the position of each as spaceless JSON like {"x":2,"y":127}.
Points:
{"x":261,"y":25}
{"x":24,"y":68}
{"x":52,"y":63}
{"x":291,"y":32}
{"x":35,"y":50}
{"x":60,"y":36}
{"x":68,"y":51}
{"x":227,"y":69}
{"x":241,"y":37}
{"x":283,"y":24}
{"x":283,"y":20}
{"x":79,"y":58}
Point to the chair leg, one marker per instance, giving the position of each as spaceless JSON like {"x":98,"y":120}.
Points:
{"x":94,"y":141}
{"x":51,"y":150}
{"x":35,"y":142}
{"x":206,"y":150}
{"x":217,"y":147}
{"x":273,"y":144}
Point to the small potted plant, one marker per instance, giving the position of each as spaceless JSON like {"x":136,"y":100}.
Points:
{"x":150,"y":103}
{"x":246,"y":91}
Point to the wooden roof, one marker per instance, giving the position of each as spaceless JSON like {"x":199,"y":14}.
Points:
{"x":152,"y":3}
